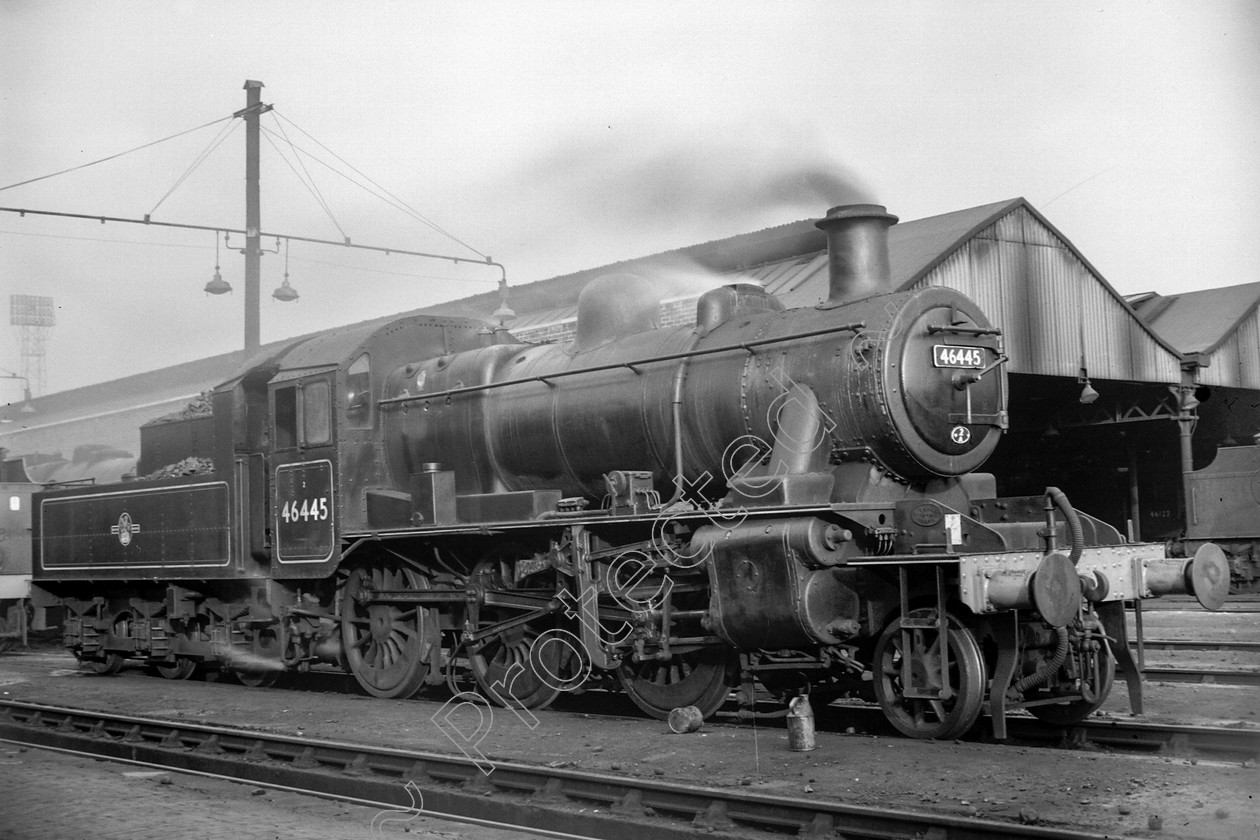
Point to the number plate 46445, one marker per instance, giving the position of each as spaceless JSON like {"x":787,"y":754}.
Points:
{"x":955,"y":356}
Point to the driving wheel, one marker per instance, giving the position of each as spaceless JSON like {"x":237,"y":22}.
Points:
{"x":387,"y":644}
{"x":916,"y":697}
{"x":699,"y":678}
{"x":508,"y":665}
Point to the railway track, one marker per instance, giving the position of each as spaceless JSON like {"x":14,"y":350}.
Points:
{"x":1200,"y":644}
{"x":1222,"y":742}
{"x":1222,"y":676}
{"x":1233,"y":743}
{"x":1193,"y":674}
{"x":553,"y":800}
{"x":1177,"y":603}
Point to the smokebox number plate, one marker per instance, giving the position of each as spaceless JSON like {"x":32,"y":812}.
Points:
{"x":954,"y":356}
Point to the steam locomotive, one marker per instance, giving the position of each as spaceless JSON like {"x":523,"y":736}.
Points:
{"x":773,"y":500}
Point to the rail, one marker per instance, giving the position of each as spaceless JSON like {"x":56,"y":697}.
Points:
{"x":1230,"y":742}
{"x":1201,"y":644}
{"x":521,"y":795}
{"x":1220,"y":676}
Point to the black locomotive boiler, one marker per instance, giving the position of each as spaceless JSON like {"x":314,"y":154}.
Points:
{"x":782,"y":497}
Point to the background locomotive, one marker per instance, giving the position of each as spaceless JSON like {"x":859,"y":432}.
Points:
{"x":1223,"y":508}
{"x":782,"y":496}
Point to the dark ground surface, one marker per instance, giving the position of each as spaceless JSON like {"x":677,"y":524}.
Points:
{"x":113,"y":801}
{"x":1118,"y":794}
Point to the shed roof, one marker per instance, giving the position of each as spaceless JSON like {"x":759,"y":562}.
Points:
{"x":1198,"y":322}
{"x":1005,"y":255}
{"x":914,"y":249}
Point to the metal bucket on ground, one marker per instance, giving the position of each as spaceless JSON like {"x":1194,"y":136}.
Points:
{"x":685,"y":719}
{"x":800,"y":724}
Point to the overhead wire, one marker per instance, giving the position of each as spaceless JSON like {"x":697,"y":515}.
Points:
{"x":101,"y":239}
{"x":228,"y":229}
{"x":339,"y":265}
{"x":395,"y":200}
{"x":1081,"y":184}
{"x":223,"y":135}
{"x":307,"y":179}
{"x":300,"y":151}
{"x":314,"y":188}
{"x":412,"y":274}
{"x":112,"y":157}
{"x":309,"y":184}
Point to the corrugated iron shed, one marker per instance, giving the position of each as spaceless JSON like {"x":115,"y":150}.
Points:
{"x":1221,"y":325}
{"x":1059,"y":315}
{"x":1057,"y":311}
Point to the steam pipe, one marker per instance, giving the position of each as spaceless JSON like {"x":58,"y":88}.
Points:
{"x":680,"y":482}
{"x":746,"y":346}
{"x":1056,"y":498}
{"x":1047,"y":669}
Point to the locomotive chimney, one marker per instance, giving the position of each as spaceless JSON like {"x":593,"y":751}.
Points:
{"x":857,"y":251}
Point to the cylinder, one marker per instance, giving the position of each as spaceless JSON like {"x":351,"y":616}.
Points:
{"x":800,"y":725}
{"x":328,"y":649}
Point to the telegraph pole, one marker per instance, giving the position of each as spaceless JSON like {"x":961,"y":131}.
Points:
{"x":251,"y":113}
{"x":253,"y":222}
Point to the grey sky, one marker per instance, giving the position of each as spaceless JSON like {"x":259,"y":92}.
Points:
{"x":560,"y":136}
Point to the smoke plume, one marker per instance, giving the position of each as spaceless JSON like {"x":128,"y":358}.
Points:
{"x":713,"y":186}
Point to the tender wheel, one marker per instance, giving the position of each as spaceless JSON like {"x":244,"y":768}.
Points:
{"x":699,"y":678}
{"x":1066,"y":714}
{"x":264,"y":666}
{"x":386,"y":645}
{"x":194,"y":631}
{"x":180,"y":669}
{"x":925,"y":717}
{"x":506,"y":665}
{"x":111,"y":664}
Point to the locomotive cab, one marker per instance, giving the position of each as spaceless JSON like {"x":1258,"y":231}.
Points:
{"x":303,"y":464}
{"x":328,"y":474}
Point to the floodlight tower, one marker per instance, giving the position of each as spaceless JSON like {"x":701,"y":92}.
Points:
{"x":34,"y":316}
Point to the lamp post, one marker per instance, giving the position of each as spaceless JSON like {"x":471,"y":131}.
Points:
{"x":27,"y":406}
{"x":253,"y":224}
{"x":254,"y":108}
{"x":285,"y":293}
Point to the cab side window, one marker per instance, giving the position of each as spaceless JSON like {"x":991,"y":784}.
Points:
{"x":286,"y":418}
{"x":316,"y":413}
{"x":359,"y":393}
{"x":303,"y":414}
